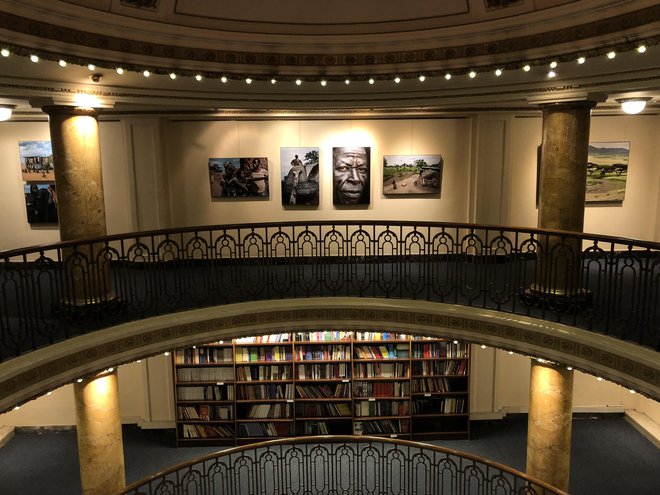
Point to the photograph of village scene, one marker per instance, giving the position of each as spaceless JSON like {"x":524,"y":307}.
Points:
{"x":412,"y":174}
{"x":239,"y":177}
{"x":36,"y":161}
{"x":300,"y":176}
{"x":607,"y":171}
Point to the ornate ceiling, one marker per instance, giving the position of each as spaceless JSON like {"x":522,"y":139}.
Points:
{"x":276,"y":43}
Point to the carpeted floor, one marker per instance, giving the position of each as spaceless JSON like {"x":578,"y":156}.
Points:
{"x":609,"y":456}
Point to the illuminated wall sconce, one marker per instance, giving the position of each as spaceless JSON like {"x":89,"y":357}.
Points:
{"x":633,"y":106}
{"x":5,"y":112}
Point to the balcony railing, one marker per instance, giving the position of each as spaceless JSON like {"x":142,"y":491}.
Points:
{"x":341,"y":465}
{"x":603,"y":284}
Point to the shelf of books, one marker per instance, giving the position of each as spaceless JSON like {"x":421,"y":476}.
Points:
{"x":205,"y":395}
{"x":321,"y":383}
{"x":440,"y":388}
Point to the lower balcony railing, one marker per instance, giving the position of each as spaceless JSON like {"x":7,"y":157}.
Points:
{"x":340,"y":465}
{"x":604,"y":284}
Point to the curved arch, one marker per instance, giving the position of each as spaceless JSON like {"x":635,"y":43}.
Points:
{"x":33,"y":374}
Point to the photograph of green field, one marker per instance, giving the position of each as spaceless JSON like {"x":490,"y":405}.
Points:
{"x":607,"y":171}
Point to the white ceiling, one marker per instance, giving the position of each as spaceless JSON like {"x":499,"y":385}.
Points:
{"x":343,"y":39}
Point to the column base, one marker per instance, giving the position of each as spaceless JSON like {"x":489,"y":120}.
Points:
{"x":82,"y":310}
{"x":557,"y":299}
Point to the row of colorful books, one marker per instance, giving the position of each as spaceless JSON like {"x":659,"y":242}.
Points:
{"x":381,"y":408}
{"x":325,"y":391}
{"x":384,"y":351}
{"x":381,"y":389}
{"x":206,"y":431}
{"x":209,"y":392}
{"x":381,"y":370}
{"x":263,"y":372}
{"x":324,"y":371}
{"x":269,"y":353}
{"x":206,"y":412}
{"x":204,"y":355}
{"x":432,"y":368}
{"x":270,"y":411}
{"x":322,"y":352}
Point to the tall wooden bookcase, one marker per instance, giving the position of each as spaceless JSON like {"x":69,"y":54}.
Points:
{"x":320,"y":383}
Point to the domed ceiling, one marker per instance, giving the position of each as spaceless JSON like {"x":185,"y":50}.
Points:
{"x":345,"y":54}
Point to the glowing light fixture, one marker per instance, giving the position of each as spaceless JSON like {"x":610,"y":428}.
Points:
{"x":146,"y":73}
{"x":397,"y":79}
{"x":611,"y":54}
{"x":62,"y":63}
{"x":581,"y":60}
{"x":371,"y":80}
{"x":552,"y":74}
{"x":448,"y":76}
{"x":498,"y":72}
{"x":223,"y":79}
{"x":248,"y":80}
{"x":91,"y":67}
{"x":633,"y":106}
{"x":472,"y":74}
{"x":553,"y":65}
{"x":641,"y":48}
{"x":298,"y":82}
{"x":273,"y":81}
{"x":323,"y":82}
{"x":527,"y":68}
{"x":5,"y":112}
{"x":4,"y":52}
{"x":422,"y":78}
{"x":172,"y":75}
{"x":347,"y":81}
{"x":198,"y":77}
{"x":120,"y":71}
{"x":34,"y":58}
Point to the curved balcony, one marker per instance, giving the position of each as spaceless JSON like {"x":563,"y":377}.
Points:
{"x":340,"y":465}
{"x":607,"y":287}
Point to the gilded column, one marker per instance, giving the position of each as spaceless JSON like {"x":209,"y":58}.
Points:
{"x":550,"y":424}
{"x":100,"y":447}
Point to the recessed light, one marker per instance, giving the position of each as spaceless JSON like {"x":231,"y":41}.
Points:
{"x":347,"y":81}
{"x":91,"y":66}
{"x":172,"y":75}
{"x":17,"y":408}
{"x":611,"y":54}
{"x":498,"y":72}
{"x":553,"y":65}
{"x":569,"y":368}
{"x":422,"y":78}
{"x":472,"y":74}
{"x":146,"y":73}
{"x":79,"y":380}
{"x":166,"y":353}
{"x":120,"y":71}
{"x":198,"y":77}
{"x":448,"y":76}
{"x":248,"y":80}
{"x":483,"y":346}
{"x":323,"y":82}
{"x":527,"y":68}
{"x":641,"y":48}
{"x":581,"y":60}
{"x":273,"y":81}
{"x":632,"y":391}
{"x":34,"y":58}
{"x":510,"y":352}
{"x":371,"y":80}
{"x":397,"y":79}
{"x":599,"y":379}
{"x":62,"y":63}
{"x":298,"y":82}
{"x":4,"y":52}
{"x":552,"y":74}
{"x":455,"y":341}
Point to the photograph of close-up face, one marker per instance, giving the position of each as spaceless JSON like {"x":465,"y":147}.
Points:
{"x":350,"y":175}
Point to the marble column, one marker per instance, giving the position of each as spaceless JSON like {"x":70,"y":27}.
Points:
{"x":562,"y":189}
{"x":550,"y":424}
{"x":100,"y":447}
{"x":74,"y":134}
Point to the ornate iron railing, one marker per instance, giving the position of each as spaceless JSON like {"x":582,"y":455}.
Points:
{"x":340,"y":465}
{"x":604,"y":284}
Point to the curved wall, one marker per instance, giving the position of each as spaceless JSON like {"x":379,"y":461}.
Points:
{"x":28,"y":376}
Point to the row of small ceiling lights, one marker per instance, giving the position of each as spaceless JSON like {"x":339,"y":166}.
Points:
{"x":483,"y":346}
{"x":397,"y":79}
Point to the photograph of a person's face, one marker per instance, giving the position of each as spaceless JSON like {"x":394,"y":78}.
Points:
{"x":351,"y":175}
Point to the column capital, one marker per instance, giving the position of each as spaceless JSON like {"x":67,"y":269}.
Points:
{"x":76,"y":104}
{"x":567,"y":100}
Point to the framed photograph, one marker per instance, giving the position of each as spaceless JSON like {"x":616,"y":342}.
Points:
{"x":36,"y":161}
{"x":239,"y":177}
{"x":607,"y":171}
{"x":300,"y":176}
{"x":412,"y":174}
{"x":351,"y":175}
{"x":41,"y":202}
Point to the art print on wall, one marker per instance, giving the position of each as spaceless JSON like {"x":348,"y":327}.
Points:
{"x":36,"y":161}
{"x":412,"y":174}
{"x":41,"y":202}
{"x":351,"y":175}
{"x":607,"y":171}
{"x":239,"y":177}
{"x":300,"y":176}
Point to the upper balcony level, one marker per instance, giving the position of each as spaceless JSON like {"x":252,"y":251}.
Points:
{"x":589,"y":301}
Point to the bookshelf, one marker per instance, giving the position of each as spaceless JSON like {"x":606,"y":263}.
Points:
{"x":321,"y":383}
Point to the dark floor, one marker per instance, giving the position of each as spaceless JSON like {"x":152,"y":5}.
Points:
{"x":609,"y":456}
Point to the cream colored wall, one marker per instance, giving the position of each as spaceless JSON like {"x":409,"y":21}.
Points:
{"x":191,"y":143}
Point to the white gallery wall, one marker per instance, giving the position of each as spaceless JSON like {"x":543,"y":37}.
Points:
{"x":155,"y":174}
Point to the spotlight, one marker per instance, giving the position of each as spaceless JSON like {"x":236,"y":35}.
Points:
{"x":323,"y":82}
{"x":273,"y":81}
{"x":552,"y":74}
{"x":166,"y":353}
{"x":223,"y":79}
{"x":553,"y":65}
{"x":4,"y":52}
{"x":448,"y":76}
{"x":472,"y":74}
{"x":569,"y":368}
{"x":120,"y":71}
{"x":172,"y":75}
{"x":91,"y":66}
{"x":581,"y":60}
{"x":498,"y":72}
{"x":371,"y":80}
{"x":198,"y":77}
{"x":397,"y":79}
{"x":641,"y":48}
{"x":248,"y":80}
{"x":527,"y":68}
{"x":611,"y":54}
{"x":483,"y":346}
{"x":347,"y":81}
{"x":34,"y":58}
{"x":422,"y":78}
{"x":146,"y":73}
{"x":79,"y":380}
{"x":633,"y":106}
{"x":62,"y":63}
{"x":298,"y":82}
{"x":5,"y":112}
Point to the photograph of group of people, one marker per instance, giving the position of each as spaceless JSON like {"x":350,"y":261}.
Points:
{"x":351,"y":175}
{"x":38,"y":174}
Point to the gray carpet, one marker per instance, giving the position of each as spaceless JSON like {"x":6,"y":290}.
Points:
{"x":609,"y":456}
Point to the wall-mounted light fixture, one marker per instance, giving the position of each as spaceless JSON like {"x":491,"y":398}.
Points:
{"x":5,"y":112}
{"x":633,"y":105}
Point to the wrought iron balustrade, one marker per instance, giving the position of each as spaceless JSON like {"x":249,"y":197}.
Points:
{"x":604,"y":284}
{"x":340,"y":465}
